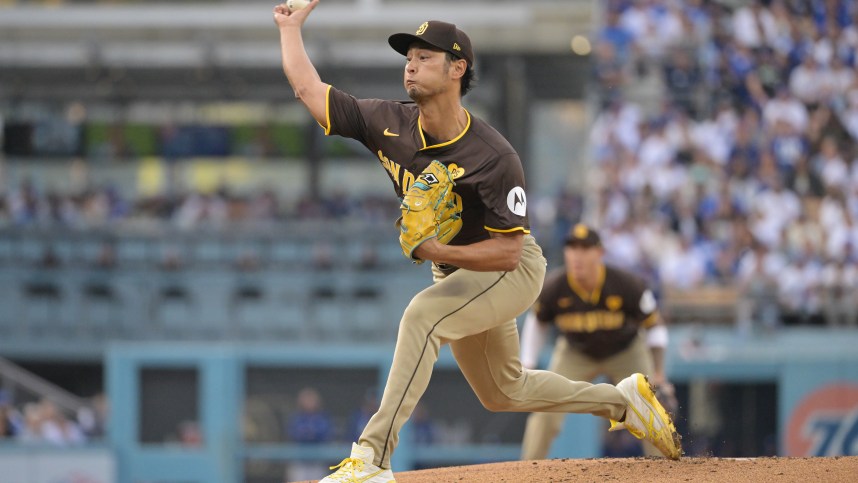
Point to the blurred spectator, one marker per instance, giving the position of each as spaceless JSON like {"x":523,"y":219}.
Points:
{"x":44,"y":423}
{"x":608,"y":71}
{"x":308,"y":424}
{"x":848,"y":114}
{"x":788,"y":147}
{"x":10,"y":418}
{"x":264,"y":206}
{"x":775,"y":207}
{"x":360,"y":417}
{"x":683,"y":268}
{"x":799,"y":291}
{"x":92,"y":418}
{"x":830,"y":166}
{"x":754,"y":25}
{"x":823,"y":122}
{"x":56,"y":428}
{"x":622,"y":247}
{"x":806,"y":81}
{"x":839,"y":279}
{"x":636,"y":20}
{"x":805,"y":234}
{"x":787,"y":109}
{"x":6,"y":428}
{"x":616,"y":127}
{"x":833,"y":213}
{"x":423,"y":428}
{"x":24,"y":203}
{"x":763,"y":81}
{"x":612,"y":33}
{"x":805,"y":182}
{"x":31,"y":430}
{"x":738,"y":63}
{"x":190,"y":434}
{"x":656,"y":150}
{"x":202,"y":209}
{"x":839,"y":79}
{"x":758,"y":303}
{"x":681,"y":77}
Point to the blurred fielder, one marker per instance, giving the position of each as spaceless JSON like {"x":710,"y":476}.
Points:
{"x":599,"y":312}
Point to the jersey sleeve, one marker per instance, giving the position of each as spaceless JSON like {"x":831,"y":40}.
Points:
{"x":504,"y":197}
{"x":348,"y":116}
{"x":643,"y":307}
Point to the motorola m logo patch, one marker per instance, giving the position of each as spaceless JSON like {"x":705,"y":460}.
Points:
{"x":517,"y":201}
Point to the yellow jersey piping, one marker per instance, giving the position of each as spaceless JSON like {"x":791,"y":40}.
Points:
{"x":593,"y":297}
{"x":327,"y":111}
{"x":423,"y":138}
{"x":510,"y":230}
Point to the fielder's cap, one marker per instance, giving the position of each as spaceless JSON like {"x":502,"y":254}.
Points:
{"x":442,"y":35}
{"x":582,"y":235}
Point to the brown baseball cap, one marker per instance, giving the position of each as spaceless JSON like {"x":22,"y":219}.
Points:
{"x":442,"y":35}
{"x":582,"y":235}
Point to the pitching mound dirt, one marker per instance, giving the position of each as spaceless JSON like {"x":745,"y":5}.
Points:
{"x":836,"y":469}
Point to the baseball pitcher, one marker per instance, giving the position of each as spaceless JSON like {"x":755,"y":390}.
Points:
{"x":464,"y":210}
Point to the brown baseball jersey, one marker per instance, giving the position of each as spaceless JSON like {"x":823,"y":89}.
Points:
{"x":486,"y":169}
{"x":601,"y":323}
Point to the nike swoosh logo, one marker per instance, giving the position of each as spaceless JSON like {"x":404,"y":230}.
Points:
{"x":391,"y":134}
{"x":367,"y":477}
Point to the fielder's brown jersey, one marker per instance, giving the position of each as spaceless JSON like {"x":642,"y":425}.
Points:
{"x":487,"y":170}
{"x":601,"y":323}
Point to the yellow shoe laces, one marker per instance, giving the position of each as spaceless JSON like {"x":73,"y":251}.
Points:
{"x":347,"y":469}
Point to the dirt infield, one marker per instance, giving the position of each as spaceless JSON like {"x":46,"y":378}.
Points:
{"x":836,"y":469}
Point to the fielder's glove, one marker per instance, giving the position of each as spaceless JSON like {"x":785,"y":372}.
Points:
{"x":430,"y":209}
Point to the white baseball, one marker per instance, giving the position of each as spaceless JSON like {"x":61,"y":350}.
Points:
{"x":293,"y":5}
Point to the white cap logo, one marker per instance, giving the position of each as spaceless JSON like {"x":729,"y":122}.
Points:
{"x":517,"y":201}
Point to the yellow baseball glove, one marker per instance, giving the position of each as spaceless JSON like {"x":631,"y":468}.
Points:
{"x":430,"y":209}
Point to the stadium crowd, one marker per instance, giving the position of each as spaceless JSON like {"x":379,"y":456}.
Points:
{"x":26,"y":205}
{"x":41,"y":422}
{"x":743,"y":170}
{"x":736,"y":168}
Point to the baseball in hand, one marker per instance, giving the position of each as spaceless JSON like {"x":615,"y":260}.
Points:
{"x":294,"y":5}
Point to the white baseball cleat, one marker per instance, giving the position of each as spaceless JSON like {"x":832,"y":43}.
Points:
{"x":646,"y":417}
{"x":358,"y":468}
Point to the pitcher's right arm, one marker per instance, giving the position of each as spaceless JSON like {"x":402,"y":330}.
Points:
{"x":300,"y":72}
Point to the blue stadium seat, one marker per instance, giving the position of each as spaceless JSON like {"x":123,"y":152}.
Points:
{"x":100,"y":304}
{"x":43,"y":298}
{"x":171,"y":306}
{"x":134,"y":251}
